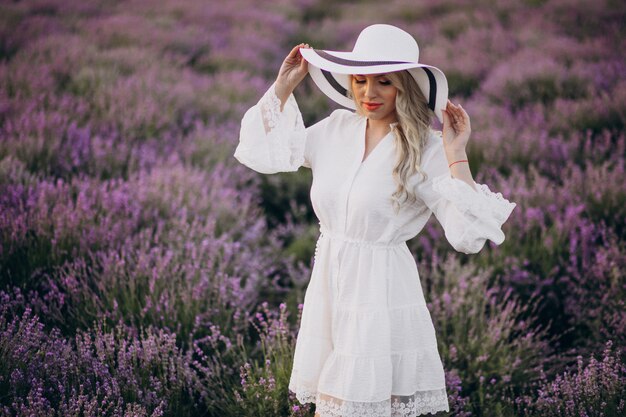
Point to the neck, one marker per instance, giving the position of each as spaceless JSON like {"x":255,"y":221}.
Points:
{"x":381,"y":124}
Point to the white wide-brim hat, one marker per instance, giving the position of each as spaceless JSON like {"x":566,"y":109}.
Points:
{"x":379,"y":48}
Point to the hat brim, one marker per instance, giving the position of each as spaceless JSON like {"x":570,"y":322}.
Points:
{"x":330,"y":69}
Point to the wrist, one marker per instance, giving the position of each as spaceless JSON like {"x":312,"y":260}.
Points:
{"x":283,"y":88}
{"x":455,"y":155}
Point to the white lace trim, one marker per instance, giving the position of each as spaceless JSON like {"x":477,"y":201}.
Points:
{"x":421,"y":402}
{"x":270,"y":109}
{"x":483,"y":203}
{"x":285,"y":130}
{"x":305,"y":396}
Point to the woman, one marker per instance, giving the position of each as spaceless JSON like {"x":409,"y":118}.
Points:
{"x":366,"y":344}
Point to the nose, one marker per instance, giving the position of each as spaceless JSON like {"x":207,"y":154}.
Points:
{"x":370,"y":88}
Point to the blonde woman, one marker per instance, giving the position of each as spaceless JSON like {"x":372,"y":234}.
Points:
{"x":366,"y":344}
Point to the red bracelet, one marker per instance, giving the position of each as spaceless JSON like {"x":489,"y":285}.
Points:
{"x":464,"y":160}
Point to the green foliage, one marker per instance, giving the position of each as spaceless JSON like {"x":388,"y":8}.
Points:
{"x":264,"y":380}
{"x":279,"y":192}
{"x":461,"y":84}
{"x":544,"y":88}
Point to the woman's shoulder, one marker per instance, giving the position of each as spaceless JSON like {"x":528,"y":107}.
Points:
{"x":433,"y":148}
{"x":435,"y":134}
{"x":344,"y":115}
{"x":435,"y":140}
{"x":339,"y":118}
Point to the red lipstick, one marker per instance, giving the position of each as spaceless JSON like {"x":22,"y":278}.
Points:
{"x":372,"y":106}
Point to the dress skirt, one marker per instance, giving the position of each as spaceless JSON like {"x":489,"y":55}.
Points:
{"x":366,"y":344}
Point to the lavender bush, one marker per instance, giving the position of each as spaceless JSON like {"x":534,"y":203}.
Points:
{"x":491,"y":340}
{"x":597,"y":388}
{"x":114,"y":371}
{"x":264,"y":385}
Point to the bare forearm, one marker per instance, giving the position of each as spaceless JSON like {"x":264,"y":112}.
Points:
{"x":460,"y":170}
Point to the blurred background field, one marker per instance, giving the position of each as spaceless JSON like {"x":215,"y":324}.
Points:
{"x":145,"y":272}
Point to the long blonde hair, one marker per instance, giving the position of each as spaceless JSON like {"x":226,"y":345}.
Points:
{"x":411,"y":132}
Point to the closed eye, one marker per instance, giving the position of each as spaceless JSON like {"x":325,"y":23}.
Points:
{"x":382,"y":82}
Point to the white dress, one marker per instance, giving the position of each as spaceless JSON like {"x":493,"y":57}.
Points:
{"x":366,"y":344}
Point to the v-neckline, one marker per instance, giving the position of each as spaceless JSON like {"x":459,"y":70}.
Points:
{"x":364,"y":140}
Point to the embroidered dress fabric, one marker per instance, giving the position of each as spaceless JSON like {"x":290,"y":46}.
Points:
{"x":366,"y":344}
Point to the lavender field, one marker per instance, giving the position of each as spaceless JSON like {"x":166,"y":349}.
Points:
{"x":145,"y":272}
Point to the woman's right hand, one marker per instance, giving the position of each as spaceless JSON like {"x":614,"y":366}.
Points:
{"x":293,"y":70}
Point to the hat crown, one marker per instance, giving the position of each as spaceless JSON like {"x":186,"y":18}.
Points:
{"x":382,"y":42}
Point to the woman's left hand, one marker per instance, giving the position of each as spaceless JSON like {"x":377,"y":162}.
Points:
{"x":456,"y":128}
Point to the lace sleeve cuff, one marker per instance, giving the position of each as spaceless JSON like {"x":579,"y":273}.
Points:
{"x":284,"y":130}
{"x":272,"y":140}
{"x":483,"y":204}
{"x":273,"y":117}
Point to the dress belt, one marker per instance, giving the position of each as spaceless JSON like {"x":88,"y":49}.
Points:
{"x":360,"y":242}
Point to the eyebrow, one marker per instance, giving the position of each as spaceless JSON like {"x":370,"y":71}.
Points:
{"x":363,"y":75}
